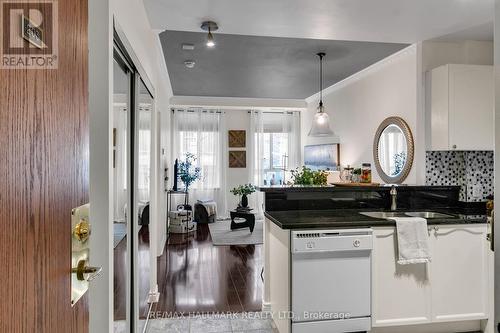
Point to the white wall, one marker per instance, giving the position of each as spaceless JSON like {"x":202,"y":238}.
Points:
{"x":238,"y":120}
{"x":101,"y":201}
{"x":358,"y":105}
{"x":435,"y":54}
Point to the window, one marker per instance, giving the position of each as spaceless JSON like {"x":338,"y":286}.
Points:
{"x":198,"y":143}
{"x":276,"y":146}
{"x":275,"y":157}
{"x":198,"y":132}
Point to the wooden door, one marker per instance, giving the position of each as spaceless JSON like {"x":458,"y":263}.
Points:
{"x":44,"y":142}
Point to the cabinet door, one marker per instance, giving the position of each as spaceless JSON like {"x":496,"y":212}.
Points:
{"x":471,"y":103}
{"x":401,"y":293}
{"x":439,"y":104}
{"x":459,"y":272}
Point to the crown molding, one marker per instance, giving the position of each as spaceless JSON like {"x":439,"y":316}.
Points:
{"x":237,"y":103}
{"x":412,"y":49}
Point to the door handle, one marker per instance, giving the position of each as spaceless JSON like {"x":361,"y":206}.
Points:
{"x":81,"y":269}
{"x":491,"y":236}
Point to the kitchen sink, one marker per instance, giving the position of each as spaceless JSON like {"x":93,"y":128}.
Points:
{"x":429,"y":215}
{"x":388,"y":215}
{"x":383,"y":215}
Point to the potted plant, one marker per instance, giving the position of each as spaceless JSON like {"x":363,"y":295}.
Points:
{"x":244,"y":191}
{"x":188,"y":173}
{"x":306,"y":176}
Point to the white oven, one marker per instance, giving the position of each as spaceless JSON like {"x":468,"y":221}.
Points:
{"x":331,"y":280}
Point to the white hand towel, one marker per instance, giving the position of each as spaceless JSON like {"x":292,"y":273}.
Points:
{"x":413,"y":240}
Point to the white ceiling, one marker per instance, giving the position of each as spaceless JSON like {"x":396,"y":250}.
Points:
{"x":399,"y":21}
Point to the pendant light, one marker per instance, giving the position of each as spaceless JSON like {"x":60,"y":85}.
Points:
{"x":321,"y":122}
{"x":210,"y":26}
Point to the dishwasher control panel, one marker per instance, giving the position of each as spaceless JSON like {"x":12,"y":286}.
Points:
{"x":332,"y":240}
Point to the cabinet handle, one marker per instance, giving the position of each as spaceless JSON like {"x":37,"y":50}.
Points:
{"x":454,"y":146}
{"x":435,"y":228}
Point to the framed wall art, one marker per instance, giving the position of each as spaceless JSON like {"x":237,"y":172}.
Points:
{"x":237,"y":159}
{"x":237,"y":138}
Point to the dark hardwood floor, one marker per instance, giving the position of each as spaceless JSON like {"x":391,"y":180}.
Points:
{"x":120,"y":273}
{"x":196,"y":276}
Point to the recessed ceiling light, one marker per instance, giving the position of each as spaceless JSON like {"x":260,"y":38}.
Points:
{"x":189,"y":63}
{"x":210,"y":26}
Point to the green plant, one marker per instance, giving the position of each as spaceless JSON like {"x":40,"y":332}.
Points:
{"x":306,"y":176}
{"x":245,"y":189}
{"x":187,"y":172}
{"x":356,"y":171}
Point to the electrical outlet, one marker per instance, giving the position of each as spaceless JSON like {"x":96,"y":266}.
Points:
{"x":477,"y":191}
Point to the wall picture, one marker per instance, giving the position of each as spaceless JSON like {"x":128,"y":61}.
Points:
{"x":237,"y":159}
{"x":322,"y":157}
{"x":237,"y":138}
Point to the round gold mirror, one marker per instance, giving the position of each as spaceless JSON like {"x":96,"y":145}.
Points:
{"x":393,"y":150}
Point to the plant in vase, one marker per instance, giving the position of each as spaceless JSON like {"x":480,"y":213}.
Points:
{"x":188,"y":173}
{"x":243,"y":191}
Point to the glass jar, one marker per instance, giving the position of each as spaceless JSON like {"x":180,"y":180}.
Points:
{"x":366,"y":173}
{"x":346,"y":174}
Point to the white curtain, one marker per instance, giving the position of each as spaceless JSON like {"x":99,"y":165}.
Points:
{"x":202,"y":132}
{"x":144,"y":154}
{"x":284,"y":129}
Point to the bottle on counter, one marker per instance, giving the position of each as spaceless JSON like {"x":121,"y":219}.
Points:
{"x":366,"y":173}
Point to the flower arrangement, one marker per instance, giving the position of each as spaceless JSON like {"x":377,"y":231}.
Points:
{"x":306,"y":176}
{"x":188,"y":173}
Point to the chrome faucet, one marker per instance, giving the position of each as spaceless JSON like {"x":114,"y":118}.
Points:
{"x":394,"y":198}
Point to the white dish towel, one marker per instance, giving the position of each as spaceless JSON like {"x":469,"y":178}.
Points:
{"x":413,"y":240}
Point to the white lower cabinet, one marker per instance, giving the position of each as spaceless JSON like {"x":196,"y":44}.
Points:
{"x":453,"y":287}
{"x":459,"y":272}
{"x":401,"y":293}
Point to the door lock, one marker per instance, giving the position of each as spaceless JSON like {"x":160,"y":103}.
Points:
{"x":81,"y":231}
{"x":81,"y":269}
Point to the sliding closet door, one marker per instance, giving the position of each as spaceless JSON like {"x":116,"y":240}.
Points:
{"x":143,"y":163}
{"x":123,"y":79}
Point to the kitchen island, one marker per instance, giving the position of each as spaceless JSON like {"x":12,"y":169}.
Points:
{"x":449,"y":294}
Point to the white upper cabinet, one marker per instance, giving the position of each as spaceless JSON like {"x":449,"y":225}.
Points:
{"x":462,"y":108}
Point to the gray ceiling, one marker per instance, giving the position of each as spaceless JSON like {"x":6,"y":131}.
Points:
{"x":263,"y":67}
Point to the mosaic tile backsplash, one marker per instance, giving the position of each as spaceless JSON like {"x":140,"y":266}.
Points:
{"x":472,"y":170}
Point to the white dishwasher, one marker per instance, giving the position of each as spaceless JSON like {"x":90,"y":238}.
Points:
{"x":331,"y":280}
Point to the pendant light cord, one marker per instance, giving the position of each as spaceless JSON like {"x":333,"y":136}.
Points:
{"x":321,"y":55}
{"x":321,"y":78}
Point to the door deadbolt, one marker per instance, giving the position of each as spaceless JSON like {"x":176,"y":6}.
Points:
{"x":81,"y":231}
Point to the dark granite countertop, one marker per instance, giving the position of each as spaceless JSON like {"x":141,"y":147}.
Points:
{"x":347,"y":218}
{"x":337,"y":188}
